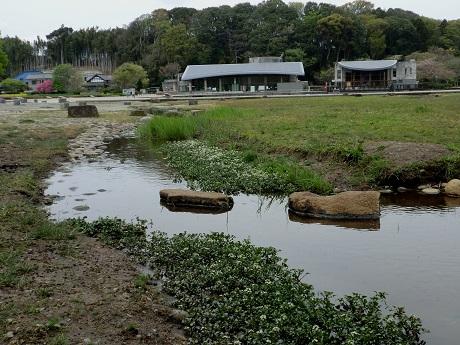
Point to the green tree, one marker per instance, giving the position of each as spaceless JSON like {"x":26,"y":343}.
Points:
{"x":13,"y":85}
{"x":3,"y":60}
{"x":129,"y":74}
{"x":67,"y":79}
{"x":376,"y":38}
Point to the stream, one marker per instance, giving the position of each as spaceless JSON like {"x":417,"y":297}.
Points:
{"x":412,"y":253}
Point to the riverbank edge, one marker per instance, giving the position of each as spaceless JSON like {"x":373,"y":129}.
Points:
{"x":58,"y":286}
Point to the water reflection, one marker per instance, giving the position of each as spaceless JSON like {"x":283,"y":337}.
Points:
{"x":369,"y":225}
{"x":414,"y":256}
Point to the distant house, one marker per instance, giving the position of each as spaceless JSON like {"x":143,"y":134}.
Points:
{"x":97,"y":80}
{"x":260,"y":74}
{"x":376,"y":75}
{"x":34,"y":78}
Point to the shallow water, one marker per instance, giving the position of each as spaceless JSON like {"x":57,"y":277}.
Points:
{"x":412,"y":253}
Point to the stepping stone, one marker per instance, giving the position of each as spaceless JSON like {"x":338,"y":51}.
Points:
{"x":347,"y":205}
{"x":187,"y":198}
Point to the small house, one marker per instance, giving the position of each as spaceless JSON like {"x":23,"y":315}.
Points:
{"x":97,"y":81}
{"x":34,"y":78}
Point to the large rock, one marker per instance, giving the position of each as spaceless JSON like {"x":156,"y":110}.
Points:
{"x":83,"y":111}
{"x":453,"y":188}
{"x":188,"y":198}
{"x":137,"y":112}
{"x":346,"y":205}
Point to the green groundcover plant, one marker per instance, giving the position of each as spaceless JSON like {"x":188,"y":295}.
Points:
{"x":238,"y":293}
{"x":211,"y":168}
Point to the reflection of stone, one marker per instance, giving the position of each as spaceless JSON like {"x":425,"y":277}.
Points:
{"x":187,"y":198}
{"x":347,"y":205}
{"x":453,"y":188}
{"x":371,"y":224}
{"x":197,"y":210}
{"x":452,"y":201}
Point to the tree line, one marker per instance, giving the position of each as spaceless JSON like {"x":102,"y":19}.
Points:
{"x":164,"y":42}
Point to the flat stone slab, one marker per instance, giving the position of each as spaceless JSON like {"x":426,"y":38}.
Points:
{"x":187,"y":198}
{"x":82,"y":111}
{"x":347,"y":205}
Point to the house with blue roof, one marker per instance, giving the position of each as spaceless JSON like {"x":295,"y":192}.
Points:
{"x":34,"y":78}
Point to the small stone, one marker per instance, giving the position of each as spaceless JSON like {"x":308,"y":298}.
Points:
{"x":430,"y":191}
{"x":9,"y":335}
{"x":81,"y":208}
{"x":385,"y":191}
{"x":87,"y":341}
{"x":402,"y":189}
{"x":424,"y":186}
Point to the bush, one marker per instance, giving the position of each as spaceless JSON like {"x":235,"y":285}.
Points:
{"x":45,"y":87}
{"x":67,"y":79}
{"x":13,"y":85}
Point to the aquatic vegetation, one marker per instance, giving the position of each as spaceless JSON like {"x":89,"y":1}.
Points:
{"x":210,"y":168}
{"x":238,"y":293}
{"x":164,"y":128}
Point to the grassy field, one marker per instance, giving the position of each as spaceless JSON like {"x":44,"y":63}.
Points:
{"x":349,"y":141}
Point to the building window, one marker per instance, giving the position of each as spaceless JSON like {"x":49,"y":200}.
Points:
{"x":339,"y":74}
{"x":394,"y":73}
{"x":411,"y":70}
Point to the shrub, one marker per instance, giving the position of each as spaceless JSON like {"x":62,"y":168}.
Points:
{"x":45,"y":87}
{"x":67,"y":79}
{"x":13,"y":86}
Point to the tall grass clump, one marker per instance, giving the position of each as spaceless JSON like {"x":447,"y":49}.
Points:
{"x":164,"y":128}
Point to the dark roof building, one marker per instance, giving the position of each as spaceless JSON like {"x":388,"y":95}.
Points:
{"x":260,"y":74}
{"x":97,"y":80}
{"x":376,"y":75}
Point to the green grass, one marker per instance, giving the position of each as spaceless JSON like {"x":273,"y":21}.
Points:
{"x":163,"y":128}
{"x":12,"y":268}
{"x":142,"y":281}
{"x":332,"y":131}
{"x":54,"y":232}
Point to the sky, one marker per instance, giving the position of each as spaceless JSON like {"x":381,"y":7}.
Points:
{"x":32,"y":18}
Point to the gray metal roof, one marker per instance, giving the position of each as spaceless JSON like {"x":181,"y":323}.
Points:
{"x":369,"y":65}
{"x":220,"y":70}
{"x":39,"y":76}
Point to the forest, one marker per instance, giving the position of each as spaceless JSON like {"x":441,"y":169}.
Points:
{"x":164,"y":42}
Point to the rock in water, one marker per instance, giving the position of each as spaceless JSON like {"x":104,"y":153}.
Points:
{"x":346,"y":205}
{"x":453,"y":188}
{"x":430,"y":191}
{"x":188,"y":198}
{"x":83,"y":111}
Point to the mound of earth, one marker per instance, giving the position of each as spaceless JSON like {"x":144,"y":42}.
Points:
{"x":400,"y":154}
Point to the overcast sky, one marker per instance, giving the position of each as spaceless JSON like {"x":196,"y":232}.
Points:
{"x":29,"y":18}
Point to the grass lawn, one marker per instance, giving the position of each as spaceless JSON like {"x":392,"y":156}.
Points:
{"x":350,"y":141}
